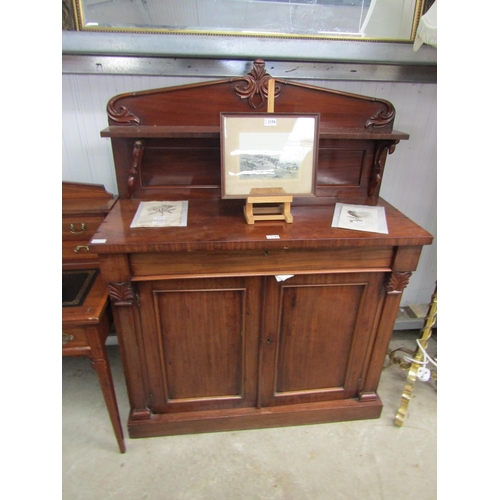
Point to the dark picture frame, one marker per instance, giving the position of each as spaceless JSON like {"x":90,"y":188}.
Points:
{"x":262,"y":152}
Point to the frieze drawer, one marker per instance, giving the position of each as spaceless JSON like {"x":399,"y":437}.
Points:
{"x":258,"y":262}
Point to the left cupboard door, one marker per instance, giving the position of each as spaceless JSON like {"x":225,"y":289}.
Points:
{"x":201,"y":338}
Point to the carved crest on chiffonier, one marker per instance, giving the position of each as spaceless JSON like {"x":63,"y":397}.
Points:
{"x":256,"y":88}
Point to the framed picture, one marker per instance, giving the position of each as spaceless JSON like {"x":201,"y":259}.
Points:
{"x":262,"y":152}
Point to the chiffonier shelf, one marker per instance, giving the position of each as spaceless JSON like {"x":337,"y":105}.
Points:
{"x":224,"y":325}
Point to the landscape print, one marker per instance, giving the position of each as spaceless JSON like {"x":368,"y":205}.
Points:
{"x":276,"y":155}
{"x":268,"y":166}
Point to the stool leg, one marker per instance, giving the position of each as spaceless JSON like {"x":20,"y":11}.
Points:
{"x":101,"y":365}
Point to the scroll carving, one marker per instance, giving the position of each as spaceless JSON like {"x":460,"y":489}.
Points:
{"x":386,"y":147}
{"x":398,"y":282}
{"x":137,"y":158}
{"x":121,"y":294}
{"x":256,"y":89}
{"x":122,"y":114}
{"x":382,"y":117}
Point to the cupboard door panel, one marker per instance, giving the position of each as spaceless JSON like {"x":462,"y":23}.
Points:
{"x":204,"y":342}
{"x":206,"y":337}
{"x":318,"y":334}
{"x":306,"y":346}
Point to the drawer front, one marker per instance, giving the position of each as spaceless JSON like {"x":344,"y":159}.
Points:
{"x":74,"y":337}
{"x":77,"y":251}
{"x":259,"y":262}
{"x":80,"y":228}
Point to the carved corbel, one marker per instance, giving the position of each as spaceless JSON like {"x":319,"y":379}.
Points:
{"x":256,"y":88}
{"x":136,"y":163}
{"x":397,"y":282}
{"x":383,"y":149}
{"x":122,"y":294}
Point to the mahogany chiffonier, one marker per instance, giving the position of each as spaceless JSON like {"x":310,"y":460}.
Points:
{"x":210,"y":339}
{"x":86,"y":312}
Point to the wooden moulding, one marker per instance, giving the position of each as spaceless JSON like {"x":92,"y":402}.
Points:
{"x":281,"y":211}
{"x":252,"y":418}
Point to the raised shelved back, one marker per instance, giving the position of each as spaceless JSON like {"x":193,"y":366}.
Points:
{"x":166,"y":142}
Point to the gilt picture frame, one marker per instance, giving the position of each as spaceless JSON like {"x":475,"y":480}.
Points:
{"x":266,"y":152}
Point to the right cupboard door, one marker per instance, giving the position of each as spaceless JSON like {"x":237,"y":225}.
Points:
{"x":317,"y":336}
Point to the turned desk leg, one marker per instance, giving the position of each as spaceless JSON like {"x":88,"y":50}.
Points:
{"x":418,"y":357}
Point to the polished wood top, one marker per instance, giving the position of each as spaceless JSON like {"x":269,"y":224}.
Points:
{"x":89,"y":199}
{"x":220,"y":225}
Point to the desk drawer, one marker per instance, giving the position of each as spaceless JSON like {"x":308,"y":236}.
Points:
{"x":80,"y":227}
{"x":74,"y":337}
{"x":259,"y":262}
{"x":77,"y":251}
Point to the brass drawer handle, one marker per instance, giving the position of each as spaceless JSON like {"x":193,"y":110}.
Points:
{"x":67,"y":338}
{"x":83,"y":228}
{"x":81,"y":247}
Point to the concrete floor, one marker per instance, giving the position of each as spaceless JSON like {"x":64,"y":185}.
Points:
{"x":365,"y":460}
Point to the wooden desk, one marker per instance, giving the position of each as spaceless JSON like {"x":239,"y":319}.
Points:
{"x":86,"y":326}
{"x":210,"y":339}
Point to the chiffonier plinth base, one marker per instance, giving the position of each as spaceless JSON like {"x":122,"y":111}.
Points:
{"x":168,"y":424}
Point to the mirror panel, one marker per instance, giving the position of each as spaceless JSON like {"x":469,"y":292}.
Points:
{"x":388,"y":20}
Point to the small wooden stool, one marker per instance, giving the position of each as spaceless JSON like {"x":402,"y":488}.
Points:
{"x":280,"y":210}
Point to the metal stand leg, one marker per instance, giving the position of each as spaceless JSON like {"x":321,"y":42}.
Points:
{"x":418,"y":357}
